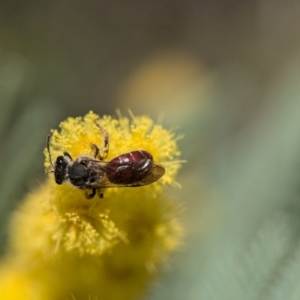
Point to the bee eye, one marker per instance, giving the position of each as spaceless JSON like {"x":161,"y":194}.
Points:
{"x":60,"y":169}
{"x":59,"y":161}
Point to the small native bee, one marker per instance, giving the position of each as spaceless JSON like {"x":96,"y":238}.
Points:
{"x":132,"y":169}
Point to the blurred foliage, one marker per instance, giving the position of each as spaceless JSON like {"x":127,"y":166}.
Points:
{"x":22,"y":134}
{"x":225,"y":72}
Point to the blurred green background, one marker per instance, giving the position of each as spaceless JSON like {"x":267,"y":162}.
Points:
{"x":225,"y":72}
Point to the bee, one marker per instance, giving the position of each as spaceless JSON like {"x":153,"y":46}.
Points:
{"x":131,"y":169}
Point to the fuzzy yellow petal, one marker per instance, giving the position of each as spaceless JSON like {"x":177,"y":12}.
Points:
{"x":15,"y":283}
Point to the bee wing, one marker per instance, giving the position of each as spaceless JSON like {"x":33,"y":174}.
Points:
{"x":155,"y":173}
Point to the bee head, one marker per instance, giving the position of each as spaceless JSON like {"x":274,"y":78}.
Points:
{"x":60,"y":169}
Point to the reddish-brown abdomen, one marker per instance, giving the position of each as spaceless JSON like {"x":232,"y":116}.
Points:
{"x":129,"y":168}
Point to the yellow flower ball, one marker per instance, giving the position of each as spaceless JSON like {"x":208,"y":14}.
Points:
{"x":108,"y":248}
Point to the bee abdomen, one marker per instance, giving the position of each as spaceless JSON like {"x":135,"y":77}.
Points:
{"x":129,"y":168}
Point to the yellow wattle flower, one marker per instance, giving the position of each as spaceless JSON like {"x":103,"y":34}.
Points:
{"x":16,"y":284}
{"x":77,"y":134}
{"x":105,"y":247}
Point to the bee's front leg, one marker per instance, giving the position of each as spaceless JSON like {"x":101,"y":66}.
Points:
{"x":96,"y":149}
{"x":90,"y":196}
{"x":103,"y":149}
{"x":100,"y":192}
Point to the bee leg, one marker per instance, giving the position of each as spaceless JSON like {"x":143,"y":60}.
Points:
{"x":104,"y":142}
{"x":100,"y":193}
{"x":68,"y":155}
{"x":91,"y":196}
{"x":96,"y":149}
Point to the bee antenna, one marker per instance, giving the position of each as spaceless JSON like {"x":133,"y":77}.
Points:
{"x":48,"y":148}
